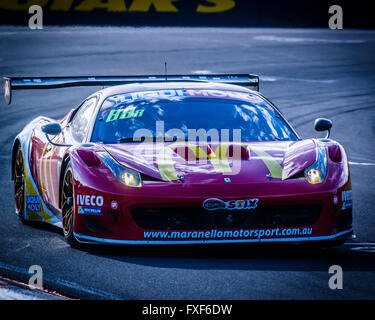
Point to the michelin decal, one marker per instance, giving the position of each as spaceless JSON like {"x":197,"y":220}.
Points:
{"x":89,"y":204}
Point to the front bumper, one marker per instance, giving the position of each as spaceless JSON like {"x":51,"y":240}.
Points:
{"x":343,"y":235}
{"x":118,"y":226}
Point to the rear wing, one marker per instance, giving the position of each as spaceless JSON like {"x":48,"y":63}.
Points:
{"x":18,"y":83}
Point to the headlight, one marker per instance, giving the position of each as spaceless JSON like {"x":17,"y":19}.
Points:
{"x":127,"y":176}
{"x":313,"y":176}
{"x":318,"y":171}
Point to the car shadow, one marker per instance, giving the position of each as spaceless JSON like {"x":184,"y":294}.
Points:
{"x":351,"y":256}
{"x":44,"y":226}
{"x":285,"y":257}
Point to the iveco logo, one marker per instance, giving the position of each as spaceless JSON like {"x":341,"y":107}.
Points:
{"x":217,"y":204}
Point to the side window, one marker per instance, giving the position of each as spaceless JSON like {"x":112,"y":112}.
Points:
{"x":80,"y":123}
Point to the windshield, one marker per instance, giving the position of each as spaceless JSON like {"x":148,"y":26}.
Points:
{"x":181,"y":116}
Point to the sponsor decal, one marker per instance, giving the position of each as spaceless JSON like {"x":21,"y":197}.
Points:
{"x":90,"y":210}
{"x":127,"y":113}
{"x":147,"y":95}
{"x":122,"y":6}
{"x":217,"y":204}
{"x":273,"y":233}
{"x":346,"y":197}
{"x":32,"y":203}
{"x":222,"y":94}
{"x":89,"y":200}
{"x":178,"y":93}
{"x":90,"y":204}
{"x":114,"y":205}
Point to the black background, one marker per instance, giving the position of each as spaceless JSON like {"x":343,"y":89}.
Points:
{"x":265,"y":13}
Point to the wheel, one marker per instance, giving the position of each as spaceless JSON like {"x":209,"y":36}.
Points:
{"x":67,"y":206}
{"x":19,"y":186}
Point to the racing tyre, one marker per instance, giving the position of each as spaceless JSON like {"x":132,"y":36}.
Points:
{"x":19,"y":185}
{"x":67,"y":207}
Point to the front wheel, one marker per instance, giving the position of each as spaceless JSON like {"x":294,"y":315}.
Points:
{"x":67,"y":206}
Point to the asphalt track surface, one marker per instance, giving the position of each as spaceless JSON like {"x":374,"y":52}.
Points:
{"x":307,"y":73}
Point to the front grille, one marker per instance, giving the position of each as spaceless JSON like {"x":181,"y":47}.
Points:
{"x":201,"y":219}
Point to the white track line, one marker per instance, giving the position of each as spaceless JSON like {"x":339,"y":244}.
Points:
{"x":273,"y":79}
{"x":204,"y":72}
{"x":305,"y":40}
{"x":361,"y":163}
{"x":356,"y":244}
{"x":12,"y":294}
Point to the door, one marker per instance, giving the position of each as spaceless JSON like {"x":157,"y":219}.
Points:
{"x":73,"y":133}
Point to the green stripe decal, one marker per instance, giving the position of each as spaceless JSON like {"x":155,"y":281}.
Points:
{"x":219,"y":159}
{"x":166,"y":165}
{"x":273,"y":166}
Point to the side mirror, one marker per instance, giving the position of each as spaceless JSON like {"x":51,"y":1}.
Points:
{"x":53,"y":129}
{"x":322,"y":124}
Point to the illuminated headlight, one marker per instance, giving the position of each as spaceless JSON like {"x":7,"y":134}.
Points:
{"x":127,"y":176}
{"x":313,"y":176}
{"x":132,"y":179}
{"x":318,"y":171}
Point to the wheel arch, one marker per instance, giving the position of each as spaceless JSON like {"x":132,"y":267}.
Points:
{"x":16,"y":145}
{"x":64,"y":163}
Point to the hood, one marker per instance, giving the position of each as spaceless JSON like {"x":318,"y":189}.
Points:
{"x":214,"y":162}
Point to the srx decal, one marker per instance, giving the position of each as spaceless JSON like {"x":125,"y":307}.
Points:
{"x":217,"y":204}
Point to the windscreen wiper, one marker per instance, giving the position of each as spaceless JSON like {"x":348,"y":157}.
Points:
{"x":154,"y":139}
{"x":131,"y":139}
{"x":140,"y":139}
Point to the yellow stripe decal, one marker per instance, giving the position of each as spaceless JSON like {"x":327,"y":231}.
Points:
{"x":50,"y":176}
{"x":43,"y":215}
{"x":273,"y":166}
{"x":166,"y":165}
{"x":40,"y":170}
{"x":45,"y":173}
{"x":219,"y":159}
